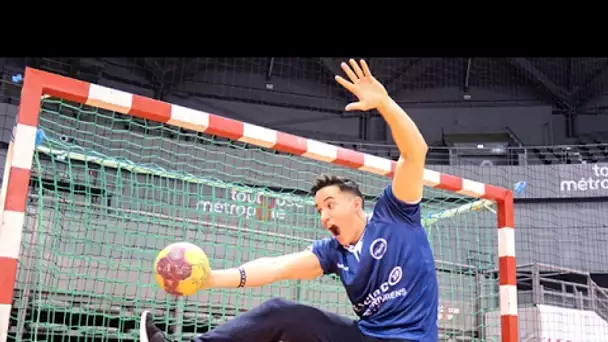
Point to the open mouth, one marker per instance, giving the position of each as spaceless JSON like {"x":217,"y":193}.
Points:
{"x":334,"y":230}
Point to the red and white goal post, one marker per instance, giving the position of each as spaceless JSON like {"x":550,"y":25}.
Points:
{"x":38,"y":84}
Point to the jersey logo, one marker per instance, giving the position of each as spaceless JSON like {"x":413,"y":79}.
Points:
{"x":378,"y":248}
{"x":384,"y":293}
{"x":395,"y":276}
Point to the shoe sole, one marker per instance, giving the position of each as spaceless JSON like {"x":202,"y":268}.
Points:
{"x":143,"y":335}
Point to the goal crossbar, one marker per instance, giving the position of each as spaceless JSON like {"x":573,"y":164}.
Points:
{"x":38,"y":83}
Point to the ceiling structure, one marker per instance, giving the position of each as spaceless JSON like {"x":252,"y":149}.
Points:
{"x":569,"y":85}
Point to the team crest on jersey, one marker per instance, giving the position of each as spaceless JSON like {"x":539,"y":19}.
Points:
{"x":378,"y":248}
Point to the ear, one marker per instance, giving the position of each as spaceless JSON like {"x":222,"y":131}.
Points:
{"x":358,"y":202}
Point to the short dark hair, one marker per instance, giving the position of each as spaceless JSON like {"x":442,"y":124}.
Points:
{"x":344,"y":184}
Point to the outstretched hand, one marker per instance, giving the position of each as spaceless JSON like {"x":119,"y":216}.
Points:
{"x":363,"y":85}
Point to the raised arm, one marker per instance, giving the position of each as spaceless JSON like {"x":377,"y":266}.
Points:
{"x":301,"y":265}
{"x":409,"y":174}
{"x":408,"y":181}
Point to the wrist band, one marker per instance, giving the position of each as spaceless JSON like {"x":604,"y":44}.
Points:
{"x":243,"y":277}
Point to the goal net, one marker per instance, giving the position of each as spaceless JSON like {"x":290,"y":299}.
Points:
{"x":113,"y":178}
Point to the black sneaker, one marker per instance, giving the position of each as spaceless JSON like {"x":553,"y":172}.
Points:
{"x":148,"y":332}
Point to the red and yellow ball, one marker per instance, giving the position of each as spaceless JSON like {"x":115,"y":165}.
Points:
{"x":182,"y":269}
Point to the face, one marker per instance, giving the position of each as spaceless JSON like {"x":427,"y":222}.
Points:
{"x":338,"y":211}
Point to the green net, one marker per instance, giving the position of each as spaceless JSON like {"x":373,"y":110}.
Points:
{"x":108,"y":191}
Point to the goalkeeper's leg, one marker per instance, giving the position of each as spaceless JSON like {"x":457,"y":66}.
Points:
{"x":274,"y":320}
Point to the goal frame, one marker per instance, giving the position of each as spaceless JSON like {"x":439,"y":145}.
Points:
{"x":19,"y":161}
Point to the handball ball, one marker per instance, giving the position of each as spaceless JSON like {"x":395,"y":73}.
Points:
{"x":181,"y":269}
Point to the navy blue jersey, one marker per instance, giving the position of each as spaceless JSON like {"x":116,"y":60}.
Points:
{"x":389,"y":274}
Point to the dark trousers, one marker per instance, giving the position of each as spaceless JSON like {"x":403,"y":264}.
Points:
{"x":281,"y":320}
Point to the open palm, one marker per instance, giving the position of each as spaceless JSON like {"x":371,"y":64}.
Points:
{"x":363,"y":85}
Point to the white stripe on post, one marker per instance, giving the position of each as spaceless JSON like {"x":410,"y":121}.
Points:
{"x":506,"y":242}
{"x":472,"y":188}
{"x":23,"y":147}
{"x":110,"y":99}
{"x":12,"y":231}
{"x":376,"y":164}
{"x":320,"y":151}
{"x":259,"y":135}
{"x":5,"y":316}
{"x":508,"y":300}
{"x":432,"y":178}
{"x":187,"y":118}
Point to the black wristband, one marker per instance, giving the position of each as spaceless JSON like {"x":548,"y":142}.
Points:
{"x":243,"y":277}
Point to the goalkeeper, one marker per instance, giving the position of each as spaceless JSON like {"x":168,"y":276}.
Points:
{"x":384,"y":261}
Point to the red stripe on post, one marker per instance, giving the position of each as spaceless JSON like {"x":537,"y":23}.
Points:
{"x":509,"y":328}
{"x":7,"y":279}
{"x":495,"y":193}
{"x":507,"y":271}
{"x":505,"y":213}
{"x":17,"y":189}
{"x":507,"y":265}
{"x":225,"y":127}
{"x":29,"y":104}
{"x":147,"y":108}
{"x":63,"y":87}
{"x":289,"y":143}
{"x":349,"y":158}
{"x":449,"y":182}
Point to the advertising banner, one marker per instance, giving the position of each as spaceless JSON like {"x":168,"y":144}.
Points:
{"x":543,"y":181}
{"x":233,"y":202}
